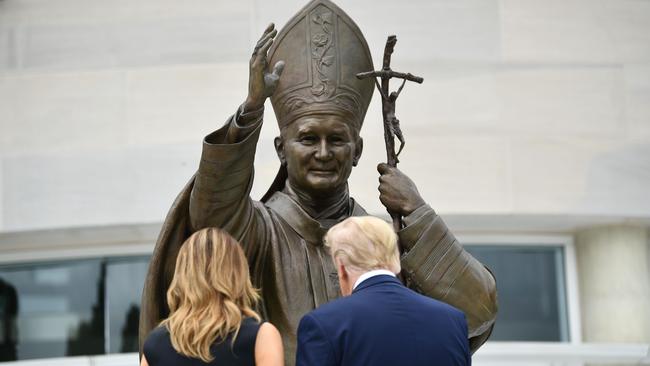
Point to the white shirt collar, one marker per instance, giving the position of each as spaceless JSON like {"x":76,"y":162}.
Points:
{"x":373,"y":273}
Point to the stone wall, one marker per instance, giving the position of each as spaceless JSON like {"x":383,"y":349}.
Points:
{"x":528,"y":107}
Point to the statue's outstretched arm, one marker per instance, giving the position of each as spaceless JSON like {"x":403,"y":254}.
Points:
{"x":220,"y":195}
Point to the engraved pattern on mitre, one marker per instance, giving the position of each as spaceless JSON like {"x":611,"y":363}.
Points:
{"x":328,"y":85}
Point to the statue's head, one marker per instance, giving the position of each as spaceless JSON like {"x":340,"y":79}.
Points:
{"x":319,"y":103}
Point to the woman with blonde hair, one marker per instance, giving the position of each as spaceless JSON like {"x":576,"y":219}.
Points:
{"x":211,"y":318}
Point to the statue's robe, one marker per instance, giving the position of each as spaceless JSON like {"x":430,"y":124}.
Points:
{"x":285,"y":250}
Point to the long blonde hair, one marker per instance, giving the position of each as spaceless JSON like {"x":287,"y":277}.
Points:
{"x":210,"y":294}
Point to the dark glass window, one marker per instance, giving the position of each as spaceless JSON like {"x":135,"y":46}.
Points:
{"x":70,"y":308}
{"x":531,"y":290}
{"x":125,"y":278}
{"x":52,"y":310}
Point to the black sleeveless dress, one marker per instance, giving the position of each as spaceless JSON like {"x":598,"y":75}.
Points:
{"x":159,"y":351}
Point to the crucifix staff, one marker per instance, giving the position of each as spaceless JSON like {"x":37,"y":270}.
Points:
{"x":392,"y":129}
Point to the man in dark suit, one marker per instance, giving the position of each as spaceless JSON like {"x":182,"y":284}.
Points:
{"x":379,"y":321}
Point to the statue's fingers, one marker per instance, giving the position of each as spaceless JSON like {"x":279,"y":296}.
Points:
{"x":382,"y":196}
{"x":278,"y":68}
{"x":383,"y":168}
{"x":265,"y":38}
{"x":262,"y":50}
{"x":382,"y":191}
{"x":268,"y":30}
{"x":385,"y":201}
{"x":271,"y":82}
{"x":382,"y":180}
{"x":271,"y":78}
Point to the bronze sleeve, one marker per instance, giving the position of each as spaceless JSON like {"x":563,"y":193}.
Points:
{"x":439,"y":267}
{"x":220,"y":196}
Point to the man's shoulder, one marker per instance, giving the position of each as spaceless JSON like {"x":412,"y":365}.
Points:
{"x":337,"y":312}
{"x":359,"y":302}
{"x":346,"y":303}
{"x":434,"y":305}
{"x":388,"y":293}
{"x":362,"y":301}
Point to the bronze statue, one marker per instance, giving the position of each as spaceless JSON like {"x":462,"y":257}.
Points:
{"x":309,"y":73}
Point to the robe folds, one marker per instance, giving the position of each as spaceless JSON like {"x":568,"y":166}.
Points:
{"x":284,"y":246}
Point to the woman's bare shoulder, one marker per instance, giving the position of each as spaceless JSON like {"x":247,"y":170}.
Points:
{"x":268,"y":346}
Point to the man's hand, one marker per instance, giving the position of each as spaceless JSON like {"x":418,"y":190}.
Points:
{"x":262,"y":84}
{"x":397,"y":191}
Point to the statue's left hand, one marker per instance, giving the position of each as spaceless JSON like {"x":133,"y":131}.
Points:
{"x":397,"y":192}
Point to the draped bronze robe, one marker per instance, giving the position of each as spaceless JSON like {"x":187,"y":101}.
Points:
{"x":285,"y":250}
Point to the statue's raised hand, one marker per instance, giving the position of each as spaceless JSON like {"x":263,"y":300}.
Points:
{"x":262,"y":84}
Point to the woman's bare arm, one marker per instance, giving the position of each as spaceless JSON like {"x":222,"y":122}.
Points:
{"x":143,"y":361}
{"x":268,"y":346}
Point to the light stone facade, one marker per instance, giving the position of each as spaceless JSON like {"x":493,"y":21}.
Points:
{"x":610,"y":263}
{"x":534,"y":117}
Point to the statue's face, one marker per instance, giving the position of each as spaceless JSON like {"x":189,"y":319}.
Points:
{"x":319,"y":152}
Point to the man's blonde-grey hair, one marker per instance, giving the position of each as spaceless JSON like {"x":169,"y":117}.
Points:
{"x":364,"y":243}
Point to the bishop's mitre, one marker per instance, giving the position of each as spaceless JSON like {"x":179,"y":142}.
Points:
{"x":323,"y":50}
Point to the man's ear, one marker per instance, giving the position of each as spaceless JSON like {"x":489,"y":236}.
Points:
{"x":279,"y":149}
{"x":340,"y":267}
{"x":343,"y":272}
{"x":357,"y":152}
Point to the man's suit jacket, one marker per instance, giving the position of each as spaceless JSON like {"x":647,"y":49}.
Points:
{"x":383,"y":323}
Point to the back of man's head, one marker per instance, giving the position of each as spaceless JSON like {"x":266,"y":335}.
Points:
{"x":364,"y":243}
